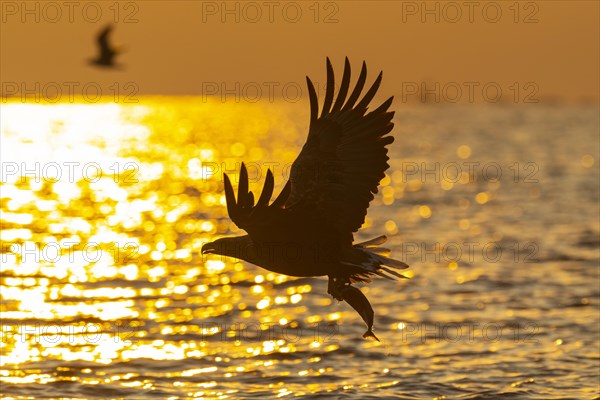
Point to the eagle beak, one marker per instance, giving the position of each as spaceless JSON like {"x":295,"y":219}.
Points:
{"x":209,"y":248}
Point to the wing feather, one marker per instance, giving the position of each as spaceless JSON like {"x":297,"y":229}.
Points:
{"x":345,"y":155}
{"x":371,"y":93}
{"x":243,"y":195}
{"x":357,"y":89}
{"x":330,"y":89}
{"x":341,"y":97}
{"x":243,"y":212}
{"x":267,"y":191}
{"x":336,"y":174}
{"x":283,"y":196}
{"x":314,"y":103}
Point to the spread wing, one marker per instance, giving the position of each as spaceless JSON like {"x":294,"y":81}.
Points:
{"x":344,"y":158}
{"x":243,"y":212}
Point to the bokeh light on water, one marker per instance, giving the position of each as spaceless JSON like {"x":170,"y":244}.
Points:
{"x":104,"y":209}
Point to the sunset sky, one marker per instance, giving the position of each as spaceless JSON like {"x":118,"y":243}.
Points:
{"x":544,"y":49}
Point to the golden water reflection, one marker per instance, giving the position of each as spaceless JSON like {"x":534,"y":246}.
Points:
{"x":101,"y":232}
{"x":103,"y":283}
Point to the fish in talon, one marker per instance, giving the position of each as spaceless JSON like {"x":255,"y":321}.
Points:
{"x":360,"y":303}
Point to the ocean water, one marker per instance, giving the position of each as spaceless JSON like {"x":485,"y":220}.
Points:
{"x":104,"y":292}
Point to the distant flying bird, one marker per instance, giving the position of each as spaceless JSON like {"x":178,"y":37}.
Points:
{"x":308,"y":230}
{"x":107,"y":53}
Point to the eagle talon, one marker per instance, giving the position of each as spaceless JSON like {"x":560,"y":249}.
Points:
{"x":335,"y":288}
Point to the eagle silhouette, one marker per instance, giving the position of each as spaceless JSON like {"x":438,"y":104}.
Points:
{"x":308,"y":230}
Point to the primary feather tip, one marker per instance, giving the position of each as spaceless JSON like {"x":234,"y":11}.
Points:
{"x":369,"y":333}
